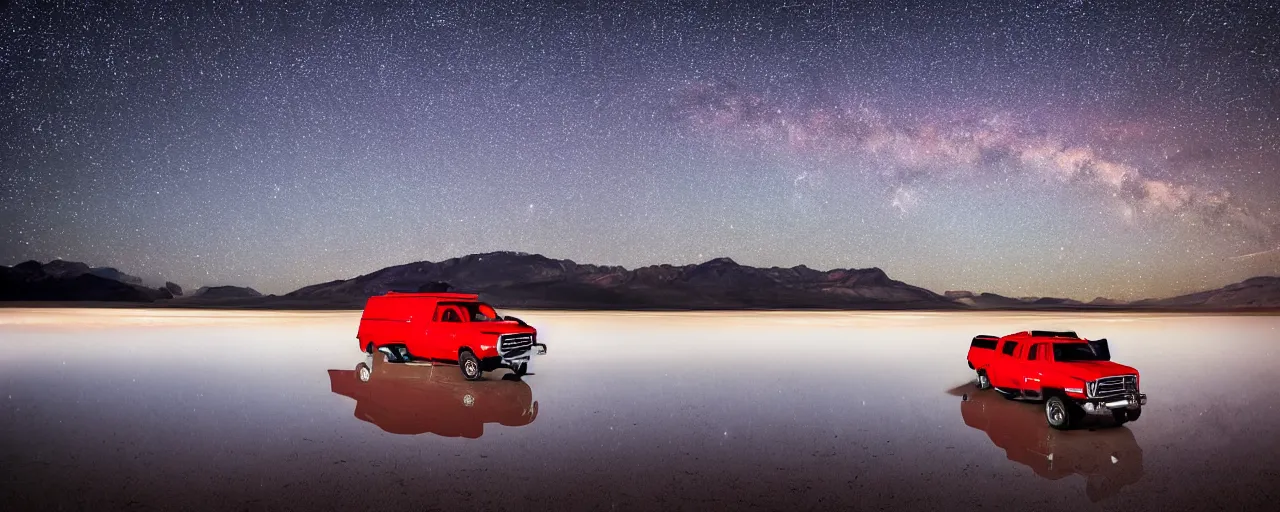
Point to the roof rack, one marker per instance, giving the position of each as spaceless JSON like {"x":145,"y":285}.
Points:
{"x":1055,"y":334}
{"x":434,"y":295}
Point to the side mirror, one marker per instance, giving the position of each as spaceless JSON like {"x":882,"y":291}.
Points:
{"x":1101,"y":348}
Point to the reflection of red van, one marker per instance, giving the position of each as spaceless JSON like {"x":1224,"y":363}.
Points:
{"x":1108,"y":458}
{"x":447,"y":327}
{"x":411,"y":400}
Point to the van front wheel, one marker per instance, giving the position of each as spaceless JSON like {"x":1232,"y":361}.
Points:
{"x":469,"y":364}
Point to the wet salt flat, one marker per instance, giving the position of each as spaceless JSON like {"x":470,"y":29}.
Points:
{"x":183,"y":410}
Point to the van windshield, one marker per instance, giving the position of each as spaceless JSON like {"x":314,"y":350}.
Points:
{"x":1064,"y":352}
{"x":477,"y":311}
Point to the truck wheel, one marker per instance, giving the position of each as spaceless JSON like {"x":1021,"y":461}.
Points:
{"x":396,"y":353}
{"x":984,"y":382}
{"x":1060,"y":413}
{"x":362,"y":371}
{"x":520,"y":369}
{"x":469,"y":364}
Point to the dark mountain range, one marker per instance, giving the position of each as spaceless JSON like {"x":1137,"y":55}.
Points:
{"x":1258,"y":292}
{"x":226,"y":292}
{"x":68,"y":269}
{"x":519,"y":280}
{"x":990,"y":301}
{"x":528,"y":280}
{"x":72,"y":281}
{"x":116,"y":275}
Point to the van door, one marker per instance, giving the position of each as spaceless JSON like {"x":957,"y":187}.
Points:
{"x":442,"y":337}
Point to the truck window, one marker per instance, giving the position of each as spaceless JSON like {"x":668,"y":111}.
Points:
{"x":1008,"y":347}
{"x":1031,"y":355}
{"x":1063,"y":352}
{"x":984,"y":343}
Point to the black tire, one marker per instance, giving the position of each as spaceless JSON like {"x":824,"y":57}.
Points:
{"x":520,"y":369}
{"x":396,"y":353}
{"x":363,"y":372}
{"x":368,"y":349}
{"x":984,"y":382}
{"x":1061,"y":414}
{"x":469,"y":365}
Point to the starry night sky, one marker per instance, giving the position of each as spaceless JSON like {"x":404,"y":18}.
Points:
{"x":1064,"y":148}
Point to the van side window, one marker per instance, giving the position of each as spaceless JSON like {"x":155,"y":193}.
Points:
{"x":1008,"y":348}
{"x":450,"y":315}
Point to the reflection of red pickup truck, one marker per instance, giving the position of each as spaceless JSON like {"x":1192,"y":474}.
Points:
{"x":447,"y":327}
{"x":1073,"y":376}
{"x":411,"y":399}
{"x":1108,"y":459}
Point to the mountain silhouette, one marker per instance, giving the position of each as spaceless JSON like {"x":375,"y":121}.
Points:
{"x":529,"y":280}
{"x":61,"y":280}
{"x":522,"y":280}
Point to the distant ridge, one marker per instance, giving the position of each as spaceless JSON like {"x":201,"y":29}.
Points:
{"x":513,"y":279}
{"x":522,"y":280}
{"x":1257,"y":292}
{"x":61,"y":280}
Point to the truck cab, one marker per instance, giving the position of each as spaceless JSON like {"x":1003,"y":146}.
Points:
{"x":453,"y":328}
{"x":1072,"y":375}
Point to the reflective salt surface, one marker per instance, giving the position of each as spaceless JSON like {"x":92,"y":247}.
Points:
{"x":169,"y":410}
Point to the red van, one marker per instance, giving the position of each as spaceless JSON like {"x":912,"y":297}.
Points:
{"x":451,"y":328}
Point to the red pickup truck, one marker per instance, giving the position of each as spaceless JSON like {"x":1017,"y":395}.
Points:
{"x":447,"y":327}
{"x":1073,"y":376}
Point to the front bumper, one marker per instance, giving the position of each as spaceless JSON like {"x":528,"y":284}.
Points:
{"x":1104,"y":405}
{"x":515,"y":358}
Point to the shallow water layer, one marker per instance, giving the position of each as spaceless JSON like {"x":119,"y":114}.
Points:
{"x":167,"y":410}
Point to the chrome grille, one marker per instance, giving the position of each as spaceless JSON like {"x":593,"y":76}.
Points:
{"x":1111,"y":386}
{"x":514,"y":342}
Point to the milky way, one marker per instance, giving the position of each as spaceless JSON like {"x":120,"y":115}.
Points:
{"x":1074,"y":149}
